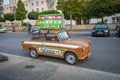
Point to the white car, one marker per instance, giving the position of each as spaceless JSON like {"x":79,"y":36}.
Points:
{"x":3,"y":29}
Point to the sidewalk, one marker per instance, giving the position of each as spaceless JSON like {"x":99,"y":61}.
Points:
{"x":23,"y":68}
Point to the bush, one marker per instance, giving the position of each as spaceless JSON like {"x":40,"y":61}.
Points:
{"x":24,"y":24}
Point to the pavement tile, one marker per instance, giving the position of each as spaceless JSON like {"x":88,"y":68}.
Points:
{"x":23,"y":68}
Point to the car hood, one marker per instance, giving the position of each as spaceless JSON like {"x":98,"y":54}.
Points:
{"x":78,"y":42}
{"x":100,"y":29}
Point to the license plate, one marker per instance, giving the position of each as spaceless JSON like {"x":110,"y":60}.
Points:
{"x":99,"y":32}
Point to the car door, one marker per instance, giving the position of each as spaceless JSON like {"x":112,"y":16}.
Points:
{"x":38,"y":40}
{"x":51,"y":45}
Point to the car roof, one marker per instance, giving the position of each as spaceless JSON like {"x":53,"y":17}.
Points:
{"x":101,"y":26}
{"x":50,"y":31}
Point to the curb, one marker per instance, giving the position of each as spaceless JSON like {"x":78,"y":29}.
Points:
{"x":49,"y":71}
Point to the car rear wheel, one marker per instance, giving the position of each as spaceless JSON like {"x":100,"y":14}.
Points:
{"x":108,"y":35}
{"x":5,"y":31}
{"x":33,"y":53}
{"x":71,"y":58}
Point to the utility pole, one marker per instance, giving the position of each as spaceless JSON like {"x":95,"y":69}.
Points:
{"x":14,"y":9}
{"x":14,"y":12}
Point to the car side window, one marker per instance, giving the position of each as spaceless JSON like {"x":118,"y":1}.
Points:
{"x":38,"y":36}
{"x":51,"y":37}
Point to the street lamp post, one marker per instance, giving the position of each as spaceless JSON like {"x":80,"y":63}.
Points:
{"x":14,"y":12}
{"x":14,"y":9}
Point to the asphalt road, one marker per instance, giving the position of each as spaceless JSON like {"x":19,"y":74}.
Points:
{"x":105,"y":51}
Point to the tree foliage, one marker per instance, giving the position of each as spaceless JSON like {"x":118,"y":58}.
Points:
{"x":20,"y":11}
{"x":9,"y":16}
{"x":50,"y":12}
{"x":102,"y":8}
{"x":116,"y":6}
{"x":86,"y":9}
{"x":2,"y":19}
{"x":74,"y":9}
{"x":33,"y":15}
{"x":68,"y":7}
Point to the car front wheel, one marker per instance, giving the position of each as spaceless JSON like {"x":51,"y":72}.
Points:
{"x":71,"y":58}
{"x":33,"y":53}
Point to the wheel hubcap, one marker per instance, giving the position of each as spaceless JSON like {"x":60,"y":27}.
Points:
{"x":71,"y":59}
{"x":33,"y":53}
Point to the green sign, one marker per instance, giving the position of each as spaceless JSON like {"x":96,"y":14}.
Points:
{"x":51,"y":21}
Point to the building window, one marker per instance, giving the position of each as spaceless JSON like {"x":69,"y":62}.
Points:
{"x":26,"y":4}
{"x":42,"y":9}
{"x":15,"y":1}
{"x":41,"y":2}
{"x":6,"y":8}
{"x":113,"y":20}
{"x":37,"y":3}
{"x":32,"y":4}
{"x":37,"y":9}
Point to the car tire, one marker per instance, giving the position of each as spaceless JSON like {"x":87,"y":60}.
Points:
{"x":33,"y":53}
{"x":119,"y":35}
{"x":5,"y":31}
{"x":71,"y":58}
{"x":92,"y":35}
{"x":108,"y":35}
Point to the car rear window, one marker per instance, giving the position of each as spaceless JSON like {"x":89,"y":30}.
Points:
{"x":51,"y":37}
{"x":101,"y":26}
{"x":38,"y":36}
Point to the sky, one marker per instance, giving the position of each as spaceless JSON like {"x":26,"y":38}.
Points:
{"x":6,"y":1}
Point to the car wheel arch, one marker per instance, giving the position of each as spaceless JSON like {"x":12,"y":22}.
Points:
{"x":71,"y":55}
{"x":35,"y":51}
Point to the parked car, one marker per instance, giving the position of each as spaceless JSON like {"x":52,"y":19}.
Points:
{"x":3,"y":29}
{"x":100,"y":30}
{"x":57,"y":43}
{"x":118,"y":28}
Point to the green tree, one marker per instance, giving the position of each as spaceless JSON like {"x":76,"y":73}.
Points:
{"x":116,"y":6}
{"x":81,"y":12}
{"x":20,"y":11}
{"x":9,"y":16}
{"x":33,"y":15}
{"x":50,"y":12}
{"x":2,"y":19}
{"x":74,"y":9}
{"x":102,"y":8}
{"x":68,"y":7}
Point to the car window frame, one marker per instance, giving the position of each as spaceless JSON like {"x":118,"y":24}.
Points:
{"x":64,"y":39}
{"x":52,"y":38}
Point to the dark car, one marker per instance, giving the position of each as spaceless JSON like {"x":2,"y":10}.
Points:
{"x":3,"y":29}
{"x":100,"y":30}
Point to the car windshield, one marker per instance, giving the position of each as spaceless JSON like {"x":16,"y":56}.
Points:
{"x":63,"y":35}
{"x":101,"y":26}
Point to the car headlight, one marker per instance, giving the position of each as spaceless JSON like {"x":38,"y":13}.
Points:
{"x":83,"y":49}
{"x":93,"y":30}
{"x":106,"y":31}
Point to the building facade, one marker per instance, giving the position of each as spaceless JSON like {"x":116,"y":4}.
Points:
{"x":30,"y":5}
{"x":1,"y":7}
{"x":43,"y":5}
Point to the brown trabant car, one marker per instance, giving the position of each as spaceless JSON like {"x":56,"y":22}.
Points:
{"x":57,"y":43}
